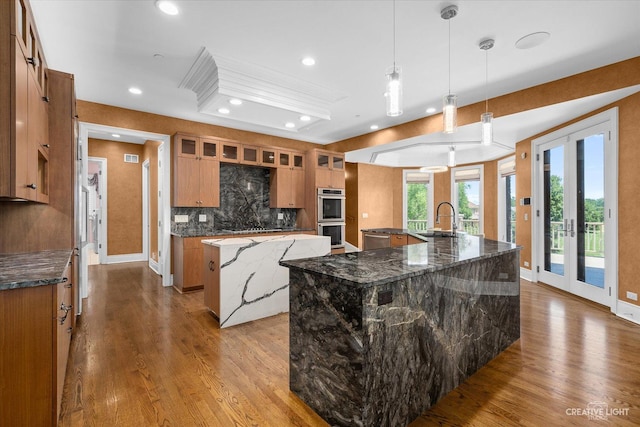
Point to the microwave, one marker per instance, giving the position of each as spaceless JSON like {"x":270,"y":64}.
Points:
{"x":334,"y":230}
{"x":331,"y":205}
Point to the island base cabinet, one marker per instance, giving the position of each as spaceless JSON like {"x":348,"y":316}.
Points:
{"x":380,"y":355}
{"x":211,"y":276}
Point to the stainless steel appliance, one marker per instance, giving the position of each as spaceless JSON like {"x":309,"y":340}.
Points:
{"x":331,"y":205}
{"x":335,"y":230}
{"x":376,"y":240}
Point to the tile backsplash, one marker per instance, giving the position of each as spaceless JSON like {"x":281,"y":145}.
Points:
{"x":244,"y":204}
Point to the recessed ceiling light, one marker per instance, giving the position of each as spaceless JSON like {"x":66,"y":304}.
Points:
{"x":431,"y":110}
{"x":308,"y":61}
{"x":223,"y":110}
{"x":235,"y":101}
{"x":115,"y":135}
{"x":305,"y":118}
{"x":135,"y":90}
{"x":374,"y":127}
{"x":532,"y":40}
{"x":289,"y":125}
{"x":167,"y":7}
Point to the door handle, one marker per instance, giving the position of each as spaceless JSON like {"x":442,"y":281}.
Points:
{"x":566,"y":227}
{"x":572,"y":230}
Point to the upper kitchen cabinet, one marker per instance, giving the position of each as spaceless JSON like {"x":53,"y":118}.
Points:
{"x":24,"y":134}
{"x":287,"y":186}
{"x":230,"y":152}
{"x":258,"y":156}
{"x":329,"y":168}
{"x":196,"y":172}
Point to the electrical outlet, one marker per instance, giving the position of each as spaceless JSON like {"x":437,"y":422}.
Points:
{"x":181,"y":218}
{"x":632,"y":296}
{"x":526,"y":263}
{"x":280,"y":215}
{"x":526,"y":217}
{"x":202,"y":217}
{"x":365,"y":215}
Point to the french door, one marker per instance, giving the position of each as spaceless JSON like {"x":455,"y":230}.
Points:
{"x":574,"y":211}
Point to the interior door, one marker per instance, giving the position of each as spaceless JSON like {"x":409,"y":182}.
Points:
{"x":571,"y":175}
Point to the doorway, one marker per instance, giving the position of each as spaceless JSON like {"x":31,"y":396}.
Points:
{"x":576,"y":177}
{"x":96,"y":210}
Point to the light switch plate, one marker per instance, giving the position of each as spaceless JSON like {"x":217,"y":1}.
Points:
{"x":632,"y":296}
{"x":365,"y":215}
{"x":202,"y":217}
{"x":181,"y":218}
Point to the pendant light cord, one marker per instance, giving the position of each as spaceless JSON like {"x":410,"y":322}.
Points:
{"x":449,"y":21}
{"x":394,"y":36}
{"x":486,"y":80}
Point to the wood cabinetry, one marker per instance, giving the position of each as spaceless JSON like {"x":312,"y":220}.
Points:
{"x":399,"y":240}
{"x":230,"y":152}
{"x":35,"y":335}
{"x":258,"y":156}
{"x":196,"y":176}
{"x":329,"y":168}
{"x":287,"y":186}
{"x":211,"y":276}
{"x":24,"y":138}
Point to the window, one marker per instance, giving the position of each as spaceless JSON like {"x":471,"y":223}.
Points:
{"x":466,"y":196}
{"x":417,"y":200}
{"x":507,"y":200}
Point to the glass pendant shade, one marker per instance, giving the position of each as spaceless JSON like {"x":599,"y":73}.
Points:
{"x":487,"y":128}
{"x":452,"y":157}
{"x":394,"y":92}
{"x":450,"y":113}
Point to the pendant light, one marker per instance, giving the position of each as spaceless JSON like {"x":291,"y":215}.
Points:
{"x":452,"y":157}
{"x":449,"y":107}
{"x":394,"y":81}
{"x":486,"y":118}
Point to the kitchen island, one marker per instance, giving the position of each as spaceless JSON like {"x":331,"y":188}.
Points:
{"x":243,"y":280}
{"x":377,"y":337}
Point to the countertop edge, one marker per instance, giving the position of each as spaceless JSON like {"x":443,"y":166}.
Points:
{"x":53,"y":274}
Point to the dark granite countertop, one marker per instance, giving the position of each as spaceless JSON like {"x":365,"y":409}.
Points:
{"x":384,"y":265}
{"x":214,"y":233}
{"x":31,"y":269}
{"x":418,"y":235}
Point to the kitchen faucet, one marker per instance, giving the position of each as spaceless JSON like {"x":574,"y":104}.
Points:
{"x":454,"y":227}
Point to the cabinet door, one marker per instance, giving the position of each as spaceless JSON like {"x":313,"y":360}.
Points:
{"x":324,"y":178}
{"x":36,"y":127}
{"x":250,"y":155}
{"x":323,"y":161}
{"x":284,"y":159}
{"x":209,"y":184}
{"x":211,"y":277}
{"x":298,"y":161}
{"x":21,"y":173}
{"x":337,"y":179}
{"x":186,"y":179}
{"x":398,"y":239}
{"x":230,"y":152}
{"x":64,"y":309}
{"x":297,"y":188}
{"x":209,"y":149}
{"x":187,"y":146}
{"x":268,"y":157}
{"x":337,"y":162}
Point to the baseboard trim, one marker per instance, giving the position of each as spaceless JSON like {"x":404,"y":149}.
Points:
{"x":117,"y":259}
{"x":629,"y":312}
{"x":526,"y":274}
{"x":153,"y":264}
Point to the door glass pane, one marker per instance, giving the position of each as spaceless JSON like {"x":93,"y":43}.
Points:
{"x":417,"y":206}
{"x":250,"y":154}
{"x":209,"y":149}
{"x":590,"y":210}
{"x":268,"y":157}
{"x":297,"y":160}
{"x":323,"y":161}
{"x":230,"y":152}
{"x":188,"y":146}
{"x":338,"y":162}
{"x":284,"y":159}
{"x":468,"y":209}
{"x":554,"y":210}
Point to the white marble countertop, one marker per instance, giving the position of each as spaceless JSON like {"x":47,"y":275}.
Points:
{"x":241,"y":241}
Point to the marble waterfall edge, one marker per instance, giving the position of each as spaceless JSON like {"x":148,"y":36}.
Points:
{"x":253,"y":284}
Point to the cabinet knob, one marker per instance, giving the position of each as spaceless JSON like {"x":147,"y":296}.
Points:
{"x":212,"y":266}
{"x":45,"y":98}
{"x":46,"y":145}
{"x":33,"y":61}
{"x":32,"y":186}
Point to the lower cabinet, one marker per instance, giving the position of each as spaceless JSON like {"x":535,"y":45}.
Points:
{"x":35,"y":336}
{"x":211,"y":272}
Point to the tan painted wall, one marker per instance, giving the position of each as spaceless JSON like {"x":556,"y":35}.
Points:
{"x":124,"y":190}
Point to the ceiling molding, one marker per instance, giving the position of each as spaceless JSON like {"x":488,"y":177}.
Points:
{"x":217,"y":79}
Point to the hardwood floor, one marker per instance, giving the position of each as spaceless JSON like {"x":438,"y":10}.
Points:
{"x":145,"y":355}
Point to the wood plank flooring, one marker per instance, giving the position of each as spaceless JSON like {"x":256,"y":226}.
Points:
{"x":144,"y":355}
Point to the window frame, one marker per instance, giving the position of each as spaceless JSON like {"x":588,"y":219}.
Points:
{"x":430,"y":207}
{"x":454,"y":193}
{"x":502,"y":231}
